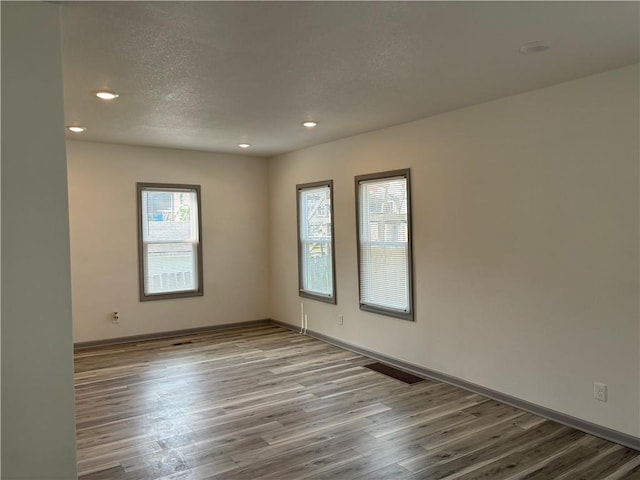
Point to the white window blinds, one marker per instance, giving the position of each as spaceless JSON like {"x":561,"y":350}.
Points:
{"x":384,"y":244}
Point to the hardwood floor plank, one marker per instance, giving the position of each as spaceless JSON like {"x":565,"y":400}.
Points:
{"x":610,"y":462}
{"x":390,"y":472}
{"x":315,"y":465}
{"x":573,"y":471}
{"x":452,"y":431}
{"x":515,"y":462}
{"x":113,"y":473}
{"x":349,"y":433}
{"x":423,"y":416}
{"x":633,"y":474}
{"x":274,"y":460}
{"x":262,"y":402}
{"x":372,"y":460}
{"x":475,"y":449}
{"x":310,"y":426}
{"x":557,"y":466}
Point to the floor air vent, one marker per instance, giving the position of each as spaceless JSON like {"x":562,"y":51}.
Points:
{"x":394,"y":373}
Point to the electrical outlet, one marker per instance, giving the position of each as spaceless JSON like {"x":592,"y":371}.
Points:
{"x":115,"y":318}
{"x":340,"y":319}
{"x":600,"y":391}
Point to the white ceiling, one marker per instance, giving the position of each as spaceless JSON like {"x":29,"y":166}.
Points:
{"x":210,"y":75}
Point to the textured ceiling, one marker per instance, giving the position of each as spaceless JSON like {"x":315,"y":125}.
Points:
{"x":210,"y":75}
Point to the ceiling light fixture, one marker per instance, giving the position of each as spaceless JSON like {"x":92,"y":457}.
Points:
{"x":76,"y":129}
{"x":310,"y":124}
{"x":535,"y":47}
{"x":244,"y":145}
{"x":104,"y":95}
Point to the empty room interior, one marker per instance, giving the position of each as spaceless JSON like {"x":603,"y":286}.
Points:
{"x":373,"y":240}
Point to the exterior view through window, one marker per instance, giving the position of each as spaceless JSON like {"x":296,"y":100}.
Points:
{"x":316,"y":270}
{"x":384,"y":243}
{"x":170,"y":247}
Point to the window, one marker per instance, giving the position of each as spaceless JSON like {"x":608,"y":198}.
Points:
{"x":384,"y":243}
{"x":170,"y":246}
{"x":316,"y":264}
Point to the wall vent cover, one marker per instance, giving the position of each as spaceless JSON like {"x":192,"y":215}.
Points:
{"x":392,"y":372}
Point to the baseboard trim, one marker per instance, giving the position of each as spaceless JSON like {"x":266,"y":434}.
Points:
{"x":573,"y":422}
{"x":167,"y":334}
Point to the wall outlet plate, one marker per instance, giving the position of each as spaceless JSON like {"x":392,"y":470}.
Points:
{"x":600,"y":391}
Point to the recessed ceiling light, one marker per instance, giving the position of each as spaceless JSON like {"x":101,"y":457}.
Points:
{"x":76,"y":129}
{"x":310,"y":124}
{"x":535,"y":47}
{"x":244,"y":145}
{"x":104,"y":95}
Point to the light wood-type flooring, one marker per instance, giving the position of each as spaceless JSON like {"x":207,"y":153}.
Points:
{"x":264,"y":402}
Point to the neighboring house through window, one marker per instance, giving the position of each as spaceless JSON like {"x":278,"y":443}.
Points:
{"x":170,"y":246}
{"x":316,"y":264}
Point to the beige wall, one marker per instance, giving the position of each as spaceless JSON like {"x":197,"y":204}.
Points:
{"x":38,"y":424}
{"x":525,"y":215}
{"x":104,"y":268}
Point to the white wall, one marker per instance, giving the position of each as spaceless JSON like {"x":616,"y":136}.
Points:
{"x":38,"y":424}
{"x":104,"y":248}
{"x":525,"y":215}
